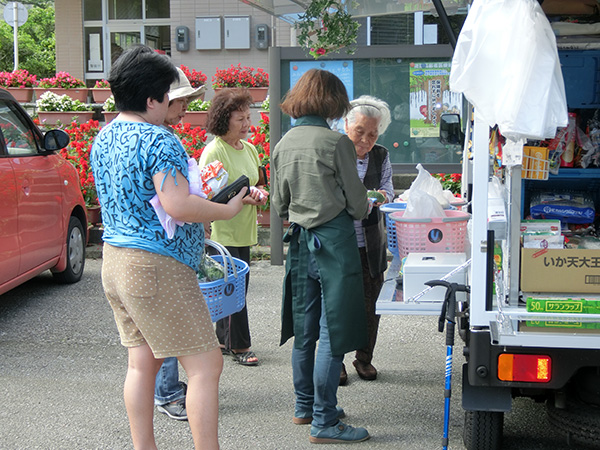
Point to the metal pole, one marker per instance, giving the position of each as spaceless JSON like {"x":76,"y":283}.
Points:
{"x":439,"y":7}
{"x":275,"y":135}
{"x":15,"y":33}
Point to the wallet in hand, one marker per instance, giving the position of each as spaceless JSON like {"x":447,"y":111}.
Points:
{"x":230,"y":191}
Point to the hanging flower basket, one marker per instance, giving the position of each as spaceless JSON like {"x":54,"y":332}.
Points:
{"x":326,"y":27}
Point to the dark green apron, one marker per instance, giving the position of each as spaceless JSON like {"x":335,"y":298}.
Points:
{"x":335,"y":250}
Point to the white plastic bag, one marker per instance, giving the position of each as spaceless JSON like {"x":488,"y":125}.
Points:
{"x":506,"y":64}
{"x":195,"y":187}
{"x":429,"y":184}
{"x":422,"y":205}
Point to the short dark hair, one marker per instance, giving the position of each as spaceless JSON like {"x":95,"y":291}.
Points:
{"x":317,"y":93}
{"x":222,"y":105}
{"x":138,"y":74}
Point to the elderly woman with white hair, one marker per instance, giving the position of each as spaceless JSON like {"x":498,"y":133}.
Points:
{"x":367,"y":119}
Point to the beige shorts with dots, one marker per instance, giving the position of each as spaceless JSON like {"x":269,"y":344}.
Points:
{"x":156,"y":300}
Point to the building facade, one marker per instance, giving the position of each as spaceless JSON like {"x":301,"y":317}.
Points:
{"x":201,"y":34}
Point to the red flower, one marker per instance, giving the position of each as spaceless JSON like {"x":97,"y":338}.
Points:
{"x":238,"y":76}
{"x":196,"y":78}
{"x":20,"y":78}
{"x":81,"y":139}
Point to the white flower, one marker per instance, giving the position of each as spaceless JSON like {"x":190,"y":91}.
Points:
{"x":49,"y":101}
{"x":109,"y":105}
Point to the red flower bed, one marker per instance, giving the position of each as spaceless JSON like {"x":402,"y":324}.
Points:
{"x":82,"y":137}
{"x":238,"y":76}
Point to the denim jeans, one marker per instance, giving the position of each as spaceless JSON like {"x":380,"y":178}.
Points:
{"x":316,"y":380}
{"x":167,"y":387}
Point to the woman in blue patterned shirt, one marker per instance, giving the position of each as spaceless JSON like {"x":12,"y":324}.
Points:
{"x":150,"y":280}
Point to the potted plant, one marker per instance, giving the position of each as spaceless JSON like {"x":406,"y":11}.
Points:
{"x":109,"y":109}
{"x":82,"y":136}
{"x":192,"y":138}
{"x":78,"y":154}
{"x":56,"y":109}
{"x":260,"y":138}
{"x":450,"y":181}
{"x":326,"y":27}
{"x":197,"y":113}
{"x":196,"y":78}
{"x":19,"y":83}
{"x":63,"y":83}
{"x":256,"y":80}
{"x":101,"y":91}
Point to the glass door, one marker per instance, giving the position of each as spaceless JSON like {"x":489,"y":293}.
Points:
{"x":122,"y":38}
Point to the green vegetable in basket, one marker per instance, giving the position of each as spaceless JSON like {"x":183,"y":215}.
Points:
{"x":209,"y":269}
{"x":378,"y":196}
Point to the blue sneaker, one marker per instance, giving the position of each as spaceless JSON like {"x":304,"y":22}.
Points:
{"x":338,"y":434}
{"x":306,"y":418}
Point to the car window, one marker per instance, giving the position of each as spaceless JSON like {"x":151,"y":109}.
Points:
{"x":16,"y":134}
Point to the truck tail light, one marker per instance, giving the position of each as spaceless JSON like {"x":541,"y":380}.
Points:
{"x":527,"y":368}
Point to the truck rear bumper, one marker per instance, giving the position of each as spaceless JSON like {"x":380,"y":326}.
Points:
{"x":480,"y":379}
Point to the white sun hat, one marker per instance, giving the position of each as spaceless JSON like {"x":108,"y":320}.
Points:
{"x":182,"y":88}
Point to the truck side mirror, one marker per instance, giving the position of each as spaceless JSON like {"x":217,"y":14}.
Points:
{"x":451,"y":130}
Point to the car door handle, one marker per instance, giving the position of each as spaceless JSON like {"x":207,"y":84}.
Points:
{"x":26,"y":187}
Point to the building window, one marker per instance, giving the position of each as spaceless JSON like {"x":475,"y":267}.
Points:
{"x":159,"y":38}
{"x":398,"y":29}
{"x":158,"y":9}
{"x":112,"y":26}
{"x":134,"y":9}
{"x":92,"y":9}
{"x":124,"y":9}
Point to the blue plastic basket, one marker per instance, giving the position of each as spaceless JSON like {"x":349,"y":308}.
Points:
{"x":390,"y":225}
{"x":226,"y":296}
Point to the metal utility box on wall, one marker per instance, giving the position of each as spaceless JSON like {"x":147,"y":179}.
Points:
{"x":208,"y":33}
{"x":182,"y":38}
{"x":237,"y":32}
{"x":262,"y":36}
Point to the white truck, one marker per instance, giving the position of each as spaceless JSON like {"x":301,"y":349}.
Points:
{"x":510,"y":349}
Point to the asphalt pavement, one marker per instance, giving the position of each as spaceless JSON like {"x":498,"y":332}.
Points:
{"x":62,"y":369}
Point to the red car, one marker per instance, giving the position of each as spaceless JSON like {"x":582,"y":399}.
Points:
{"x":43,"y":223}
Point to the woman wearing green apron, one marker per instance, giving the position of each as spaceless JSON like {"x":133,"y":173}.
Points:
{"x":315,"y":185}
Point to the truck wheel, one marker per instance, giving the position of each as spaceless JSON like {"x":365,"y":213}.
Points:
{"x":483,"y":430}
{"x":75,"y":254}
{"x":579,"y":421}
